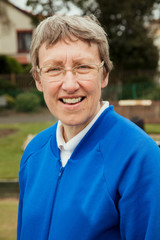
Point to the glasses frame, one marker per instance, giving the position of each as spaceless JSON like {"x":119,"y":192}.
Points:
{"x":39,"y":70}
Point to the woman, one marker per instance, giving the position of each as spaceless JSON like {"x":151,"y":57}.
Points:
{"x":94,"y":174}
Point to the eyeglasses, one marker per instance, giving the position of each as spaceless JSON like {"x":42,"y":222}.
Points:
{"x":81,"y":72}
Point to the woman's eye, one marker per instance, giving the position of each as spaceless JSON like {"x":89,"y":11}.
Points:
{"x":54,"y":69}
{"x":84,"y":67}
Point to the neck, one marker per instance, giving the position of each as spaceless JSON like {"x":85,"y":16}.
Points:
{"x":69,"y":132}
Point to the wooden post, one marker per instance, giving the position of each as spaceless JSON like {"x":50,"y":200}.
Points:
{"x":13,"y":78}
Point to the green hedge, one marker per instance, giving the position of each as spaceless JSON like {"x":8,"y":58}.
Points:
{"x":6,"y":87}
{"x":27,"y":102}
{"x":9,"y":65}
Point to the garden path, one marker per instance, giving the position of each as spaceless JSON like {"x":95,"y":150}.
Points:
{"x":11,"y":116}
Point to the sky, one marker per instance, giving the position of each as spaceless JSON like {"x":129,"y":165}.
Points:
{"x":22,"y":4}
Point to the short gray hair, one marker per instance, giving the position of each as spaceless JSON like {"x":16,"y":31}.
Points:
{"x":56,"y":28}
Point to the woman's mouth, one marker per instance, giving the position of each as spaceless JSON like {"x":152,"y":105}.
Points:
{"x":72,"y":100}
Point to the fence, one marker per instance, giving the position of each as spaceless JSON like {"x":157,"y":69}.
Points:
{"x":113,"y":92}
{"x":132,"y":91}
{"x":22,"y":81}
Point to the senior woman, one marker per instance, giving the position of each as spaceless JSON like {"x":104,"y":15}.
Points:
{"x":93,"y":175}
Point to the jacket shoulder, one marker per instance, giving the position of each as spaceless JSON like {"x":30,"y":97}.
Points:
{"x":38,"y":142}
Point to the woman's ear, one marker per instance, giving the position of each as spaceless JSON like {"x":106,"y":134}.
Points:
{"x":105,"y":80}
{"x":38,"y":81}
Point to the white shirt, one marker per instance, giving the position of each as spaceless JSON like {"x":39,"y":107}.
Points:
{"x":66,"y":149}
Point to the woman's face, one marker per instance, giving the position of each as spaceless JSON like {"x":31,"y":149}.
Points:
{"x":73,"y":101}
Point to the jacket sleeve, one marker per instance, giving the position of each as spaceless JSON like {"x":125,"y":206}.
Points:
{"x":34,"y":146}
{"x":139,"y":189}
{"x":19,"y":224}
{"x":22,"y":182}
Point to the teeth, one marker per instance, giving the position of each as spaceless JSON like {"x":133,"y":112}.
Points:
{"x":72,"y":100}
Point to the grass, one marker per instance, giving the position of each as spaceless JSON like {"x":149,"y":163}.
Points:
{"x":152,"y":128}
{"x":8,"y":219}
{"x":11,"y":146}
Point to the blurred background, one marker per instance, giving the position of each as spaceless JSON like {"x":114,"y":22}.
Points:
{"x":133,"y":29}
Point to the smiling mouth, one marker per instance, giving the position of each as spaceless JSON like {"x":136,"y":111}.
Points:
{"x":72,"y":100}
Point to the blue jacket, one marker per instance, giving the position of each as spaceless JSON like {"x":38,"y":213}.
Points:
{"x":109,"y":189}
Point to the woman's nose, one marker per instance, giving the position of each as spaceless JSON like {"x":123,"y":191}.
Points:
{"x":70,"y":83}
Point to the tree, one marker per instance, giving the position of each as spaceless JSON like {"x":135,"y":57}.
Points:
{"x":125,"y":21}
{"x":43,"y":9}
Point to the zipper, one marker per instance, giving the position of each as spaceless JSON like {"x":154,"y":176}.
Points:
{"x":58,"y":180}
{"x":60,"y":172}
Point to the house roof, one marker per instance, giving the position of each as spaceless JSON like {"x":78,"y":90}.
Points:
{"x":22,"y":58}
{"x":19,"y":9}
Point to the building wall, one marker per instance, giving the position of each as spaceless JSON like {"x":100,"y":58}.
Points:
{"x":8,"y":35}
{"x":150,"y":114}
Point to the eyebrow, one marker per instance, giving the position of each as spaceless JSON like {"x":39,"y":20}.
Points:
{"x":53,"y":62}
{"x":74,"y":61}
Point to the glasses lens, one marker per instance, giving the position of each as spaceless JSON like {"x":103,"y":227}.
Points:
{"x":52,"y":72}
{"x":81,"y":72}
{"x":86,"y":71}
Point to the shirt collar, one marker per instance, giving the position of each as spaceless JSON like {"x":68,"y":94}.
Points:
{"x":72,"y":143}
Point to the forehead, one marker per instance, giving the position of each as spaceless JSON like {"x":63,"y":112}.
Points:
{"x":69,"y":50}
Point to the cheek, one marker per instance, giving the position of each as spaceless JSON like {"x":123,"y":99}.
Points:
{"x":50,"y":89}
{"x":50,"y":94}
{"x":96,"y":89}
{"x":92,"y":87}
